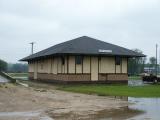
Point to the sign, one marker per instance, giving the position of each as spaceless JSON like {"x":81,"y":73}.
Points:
{"x":105,"y":51}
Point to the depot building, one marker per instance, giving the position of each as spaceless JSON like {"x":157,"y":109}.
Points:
{"x":82,"y":59}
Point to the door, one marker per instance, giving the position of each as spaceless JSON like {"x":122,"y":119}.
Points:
{"x":94,"y":68}
{"x":35,"y":70}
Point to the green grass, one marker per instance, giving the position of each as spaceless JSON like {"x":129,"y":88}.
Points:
{"x":115,"y":90}
{"x":135,"y":78}
{"x":18,"y":74}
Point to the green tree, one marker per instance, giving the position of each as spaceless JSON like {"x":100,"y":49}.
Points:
{"x":152,"y":61}
{"x":136,"y":65}
{"x":3,"y":65}
{"x":152,"y":64}
{"x":17,"y":67}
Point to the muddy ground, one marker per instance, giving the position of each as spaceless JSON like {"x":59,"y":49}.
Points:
{"x":46,"y":103}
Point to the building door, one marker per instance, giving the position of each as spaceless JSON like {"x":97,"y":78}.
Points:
{"x":35,"y":70}
{"x":94,"y":68}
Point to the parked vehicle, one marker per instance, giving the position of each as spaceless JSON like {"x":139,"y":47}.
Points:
{"x":150,"y":78}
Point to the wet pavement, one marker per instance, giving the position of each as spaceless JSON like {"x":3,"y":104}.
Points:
{"x":28,"y":115}
{"x":138,"y":109}
{"x":22,"y":114}
{"x":3,"y":80}
{"x":113,"y":114}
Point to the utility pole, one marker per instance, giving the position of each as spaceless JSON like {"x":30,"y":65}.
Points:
{"x":156,"y":58}
{"x":159,"y":56}
{"x":159,"y":62}
{"x":32,"y":44}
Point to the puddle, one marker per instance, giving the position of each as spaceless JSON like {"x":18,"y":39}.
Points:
{"x":3,"y":80}
{"x":143,"y":108}
{"x":151,"y":107}
{"x":113,"y":114}
{"x":135,"y":83}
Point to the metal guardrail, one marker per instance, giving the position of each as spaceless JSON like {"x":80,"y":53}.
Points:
{"x":5,"y":75}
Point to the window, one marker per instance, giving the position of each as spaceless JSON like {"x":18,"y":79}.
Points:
{"x":118,"y":60}
{"x":63,"y":60}
{"x":78,"y":59}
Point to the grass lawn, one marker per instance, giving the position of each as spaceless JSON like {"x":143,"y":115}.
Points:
{"x":18,"y":74}
{"x":135,"y":78}
{"x":115,"y":90}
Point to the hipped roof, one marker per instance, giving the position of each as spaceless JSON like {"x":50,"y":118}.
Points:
{"x":84,"y":46}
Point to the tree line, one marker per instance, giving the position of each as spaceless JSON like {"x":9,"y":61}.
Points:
{"x":13,"y":67}
{"x":3,"y":65}
{"x":137,"y":65}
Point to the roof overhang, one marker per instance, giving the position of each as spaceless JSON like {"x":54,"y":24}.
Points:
{"x":64,"y":54}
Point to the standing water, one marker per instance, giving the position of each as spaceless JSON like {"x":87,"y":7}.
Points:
{"x":3,"y":80}
{"x":150,"y":106}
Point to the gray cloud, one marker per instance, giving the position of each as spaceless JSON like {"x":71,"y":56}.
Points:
{"x":128,"y":23}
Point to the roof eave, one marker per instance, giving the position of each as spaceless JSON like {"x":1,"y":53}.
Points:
{"x":130,"y":56}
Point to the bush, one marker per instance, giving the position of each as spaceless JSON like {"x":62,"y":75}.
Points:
{"x":3,"y":65}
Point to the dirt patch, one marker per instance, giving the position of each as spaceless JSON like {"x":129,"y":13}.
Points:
{"x":51,"y":103}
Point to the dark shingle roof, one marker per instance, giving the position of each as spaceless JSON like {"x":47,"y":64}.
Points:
{"x":86,"y":46}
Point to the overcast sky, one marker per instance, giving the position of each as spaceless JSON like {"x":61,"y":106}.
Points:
{"x":128,"y":23}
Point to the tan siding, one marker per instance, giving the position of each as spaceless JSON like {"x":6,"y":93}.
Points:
{"x":71,"y":64}
{"x":63,"y":68}
{"x":54,"y":65}
{"x":107,"y":65}
{"x":45,"y":66}
{"x":94,"y":68}
{"x":39,"y":67}
{"x":124,"y":65}
{"x":79,"y":68}
{"x":35,"y":70}
{"x":118,"y":68}
{"x":99,"y":69}
{"x":86,"y":65}
{"x":65,"y":65}
{"x":49,"y":66}
{"x":51,"y":71}
{"x":59,"y":65}
{"x":31,"y":67}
